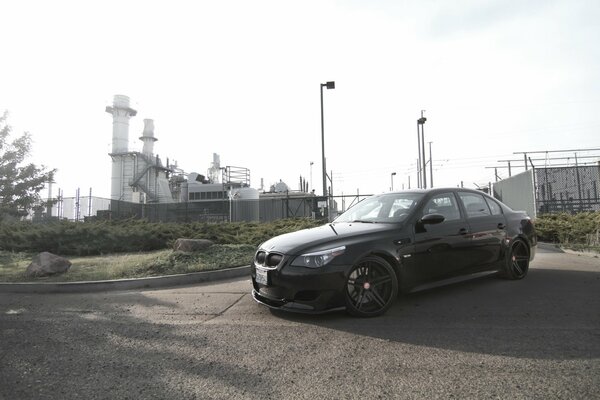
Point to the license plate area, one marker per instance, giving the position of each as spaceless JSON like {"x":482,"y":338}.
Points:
{"x":262,"y":276}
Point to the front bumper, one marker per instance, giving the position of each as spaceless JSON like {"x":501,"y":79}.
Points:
{"x":304,"y":290}
{"x":292,"y":306}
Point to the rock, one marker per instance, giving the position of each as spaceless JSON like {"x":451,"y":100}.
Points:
{"x":190,"y":245}
{"x":45,"y":264}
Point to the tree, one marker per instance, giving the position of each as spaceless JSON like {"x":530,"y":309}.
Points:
{"x":20,"y":182}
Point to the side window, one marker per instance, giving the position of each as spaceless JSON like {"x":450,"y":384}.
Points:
{"x":495,"y":207}
{"x":474,"y":204}
{"x":444,"y":204}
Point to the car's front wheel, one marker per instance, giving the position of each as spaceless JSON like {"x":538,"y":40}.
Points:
{"x":371,"y":287}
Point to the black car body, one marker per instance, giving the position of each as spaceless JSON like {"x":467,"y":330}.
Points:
{"x":391,"y":243}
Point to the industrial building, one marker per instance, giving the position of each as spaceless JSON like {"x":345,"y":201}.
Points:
{"x":143,"y":185}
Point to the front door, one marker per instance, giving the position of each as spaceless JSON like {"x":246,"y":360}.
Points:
{"x":440,"y":249}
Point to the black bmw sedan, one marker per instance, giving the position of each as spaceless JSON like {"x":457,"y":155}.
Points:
{"x":391,"y":243}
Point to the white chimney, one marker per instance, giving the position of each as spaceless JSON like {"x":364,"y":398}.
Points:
{"x":121,"y":113}
{"x":148,"y":137}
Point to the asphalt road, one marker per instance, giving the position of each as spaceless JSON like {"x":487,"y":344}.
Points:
{"x":488,"y":338}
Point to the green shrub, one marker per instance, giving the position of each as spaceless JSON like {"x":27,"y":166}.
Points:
{"x":581,"y":228}
{"x":105,"y":237}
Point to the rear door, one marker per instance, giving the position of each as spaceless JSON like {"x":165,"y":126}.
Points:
{"x":488,"y":229}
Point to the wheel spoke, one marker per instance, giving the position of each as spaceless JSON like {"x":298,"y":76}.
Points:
{"x":359,"y":300}
{"x":377,"y":297}
{"x":517,"y":268}
{"x":381,"y":280}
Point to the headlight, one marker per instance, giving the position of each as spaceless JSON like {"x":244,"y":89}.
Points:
{"x":318,"y":259}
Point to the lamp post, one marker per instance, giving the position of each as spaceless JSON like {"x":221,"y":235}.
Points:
{"x":418,"y":156}
{"x":421,"y":123}
{"x":392,"y":177}
{"x":328,"y":85}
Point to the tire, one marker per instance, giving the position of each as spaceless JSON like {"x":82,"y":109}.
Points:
{"x":516,"y":264}
{"x":371,"y":287}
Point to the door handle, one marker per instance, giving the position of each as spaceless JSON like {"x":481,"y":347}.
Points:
{"x":463,"y":231}
{"x":501,"y":226}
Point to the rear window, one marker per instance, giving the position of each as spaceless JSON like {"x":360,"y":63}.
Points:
{"x":494,"y":206}
{"x":475,"y":204}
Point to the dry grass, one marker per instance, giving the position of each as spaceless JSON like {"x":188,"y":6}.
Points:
{"x":131,"y":265}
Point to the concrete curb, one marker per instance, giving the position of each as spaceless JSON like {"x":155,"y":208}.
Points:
{"x":125,"y":284}
{"x":555,"y":248}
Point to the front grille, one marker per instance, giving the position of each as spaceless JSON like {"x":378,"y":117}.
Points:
{"x":273,"y":260}
{"x":268,"y":260}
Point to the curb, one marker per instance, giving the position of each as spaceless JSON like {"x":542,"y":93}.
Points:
{"x":551,"y":247}
{"x":125,"y":284}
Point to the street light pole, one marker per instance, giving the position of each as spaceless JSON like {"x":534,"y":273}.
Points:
{"x":418,"y":156}
{"x":328,"y":85}
{"x":421,"y":122}
{"x":392,"y":177}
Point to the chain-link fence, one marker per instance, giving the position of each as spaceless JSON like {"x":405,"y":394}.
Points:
{"x":266,"y":209}
{"x":567,"y":189}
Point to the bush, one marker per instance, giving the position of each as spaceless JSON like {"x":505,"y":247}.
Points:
{"x":581,"y":228}
{"x":104,"y":237}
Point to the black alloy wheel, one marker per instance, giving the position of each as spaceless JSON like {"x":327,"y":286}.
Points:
{"x":371,"y":287}
{"x":517,"y":261}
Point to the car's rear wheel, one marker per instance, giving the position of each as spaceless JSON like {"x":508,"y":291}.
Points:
{"x":371,"y":287}
{"x":517,"y":261}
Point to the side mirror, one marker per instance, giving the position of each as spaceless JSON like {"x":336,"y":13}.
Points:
{"x":432,"y":219}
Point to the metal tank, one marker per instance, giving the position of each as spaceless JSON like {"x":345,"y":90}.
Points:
{"x":244,"y":204}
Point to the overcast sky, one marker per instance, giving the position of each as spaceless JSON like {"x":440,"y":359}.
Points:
{"x":242,"y":78}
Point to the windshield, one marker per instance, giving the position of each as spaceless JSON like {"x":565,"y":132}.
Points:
{"x":390,"y":207}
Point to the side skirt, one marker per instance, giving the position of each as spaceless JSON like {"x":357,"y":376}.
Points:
{"x":451,"y":281}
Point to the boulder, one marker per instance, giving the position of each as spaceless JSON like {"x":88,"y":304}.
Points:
{"x":46,"y":264}
{"x":191,"y":245}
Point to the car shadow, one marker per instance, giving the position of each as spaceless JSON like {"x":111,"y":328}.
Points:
{"x":549,"y":315}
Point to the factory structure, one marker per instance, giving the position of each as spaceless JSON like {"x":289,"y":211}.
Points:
{"x":136,"y":176}
{"x":144,"y":185}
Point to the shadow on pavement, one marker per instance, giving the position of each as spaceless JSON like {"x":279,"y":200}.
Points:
{"x":114,"y":346}
{"x":548,"y":315}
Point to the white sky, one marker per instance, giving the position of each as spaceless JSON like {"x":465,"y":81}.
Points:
{"x":241,"y":79}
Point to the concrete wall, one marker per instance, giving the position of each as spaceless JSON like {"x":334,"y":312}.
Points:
{"x":517,"y":192}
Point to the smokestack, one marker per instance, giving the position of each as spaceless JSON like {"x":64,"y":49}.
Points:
{"x":148,"y":137}
{"x":121,"y":113}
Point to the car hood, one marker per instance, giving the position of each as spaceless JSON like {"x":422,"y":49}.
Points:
{"x":322,"y":237}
